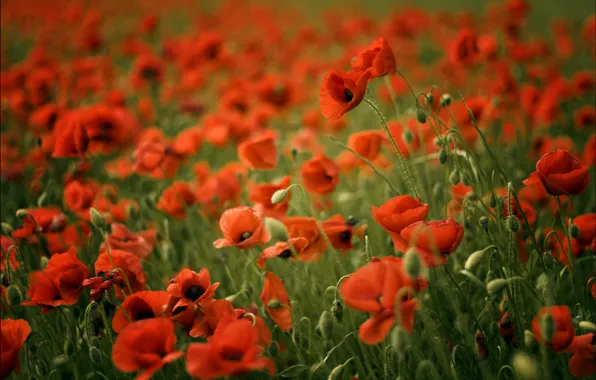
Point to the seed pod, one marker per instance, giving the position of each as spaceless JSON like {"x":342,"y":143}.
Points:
{"x":43,"y":262}
{"x":325,"y":325}
{"x":337,"y":309}
{"x":504,"y":305}
{"x":512,"y":223}
{"x":421,"y":115}
{"x":95,"y":356}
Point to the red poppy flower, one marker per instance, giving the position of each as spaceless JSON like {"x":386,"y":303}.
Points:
{"x":121,"y":238}
{"x":156,"y":159}
{"x":242,"y":227}
{"x":68,"y":273}
{"x":378,"y":58}
{"x":130,"y":265}
{"x":212,"y":313}
{"x":434,"y":241}
{"x":398,"y":213}
{"x":261,"y":195}
{"x":189,"y":287}
{"x":561,"y":174}
{"x":232,"y":350}
{"x":590,"y":152}
{"x":13,"y":334}
{"x":79,"y":197}
{"x":587,"y":230}
{"x":43,"y":219}
{"x":259,"y":153}
{"x":366,"y":143}
{"x":263,"y":332}
{"x":464,"y":49}
{"x":175,"y":199}
{"x":188,"y":142}
{"x":320,"y":174}
{"x":583,"y":362}
{"x":342,"y":92}
{"x":141,"y":305}
{"x":299,"y":226}
{"x":42,"y":292}
{"x":275,"y":299}
{"x":564,"y":330}
{"x":339,"y":232}
{"x":147,"y":69}
{"x":585,"y":117}
{"x":284,"y":250}
{"x":146,"y":346}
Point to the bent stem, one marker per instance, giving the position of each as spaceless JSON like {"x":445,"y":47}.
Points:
{"x":408,"y":175}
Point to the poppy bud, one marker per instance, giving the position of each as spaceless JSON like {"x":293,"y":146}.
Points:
{"x":492,"y":200}
{"x":547,"y":327}
{"x":337,"y":309}
{"x":22,"y":213}
{"x":529,"y":338}
{"x":274,"y":304}
{"x":588,"y":327}
{"x":277,"y":229}
{"x":279,"y":196}
{"x":7,"y":228}
{"x":445,"y":100}
{"x":412,"y":263}
{"x":421,"y":115}
{"x":351,"y":220}
{"x":454,"y":177}
{"x":442,"y":156}
{"x":525,"y":367}
{"x":574,"y":231}
{"x":42,"y":199}
{"x":437,"y":190}
{"x":408,"y":136}
{"x":473,"y":260}
{"x":430,"y":98}
{"x":14,"y":295}
{"x":399,"y":339}
{"x":512,"y":223}
{"x":43,"y":262}
{"x":539,"y":234}
{"x":548,"y":259}
{"x":483,"y":221}
{"x":95,"y":355}
{"x":97,"y":218}
{"x":495,"y":286}
{"x":336,"y":372}
{"x":325,"y":325}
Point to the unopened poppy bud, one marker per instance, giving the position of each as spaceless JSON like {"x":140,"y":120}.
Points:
{"x":442,"y":156}
{"x":42,"y":199}
{"x":399,"y":339}
{"x":97,"y":218}
{"x":495,"y":286}
{"x":588,"y":327}
{"x":512,"y":223}
{"x":277,"y":229}
{"x":547,"y":327}
{"x":279,"y":196}
{"x":274,"y":304}
{"x":430,"y":98}
{"x":43,"y":262}
{"x":412,"y":263}
{"x":95,"y":355}
{"x":529,"y":338}
{"x":351,"y":220}
{"x":574,"y":231}
{"x":22,"y":213}
{"x":525,"y":367}
{"x":445,"y":100}
{"x":548,"y":259}
{"x":421,"y":115}
{"x":539,"y":234}
{"x":336,"y":372}
{"x":337,"y":309}
{"x":492,"y":200}
{"x":7,"y":228}
{"x":483,"y":222}
{"x":473,"y":260}
{"x":454,"y":177}
{"x":325,"y":325}
{"x":408,"y":136}
{"x":14,"y":295}
{"x":504,"y":305}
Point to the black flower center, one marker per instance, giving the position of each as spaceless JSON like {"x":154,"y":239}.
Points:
{"x":149,"y":73}
{"x":345,"y":236}
{"x":245,"y":235}
{"x":144,"y":314}
{"x":233,"y":354}
{"x":348,"y":95}
{"x":194,"y":292}
{"x":285,"y":254}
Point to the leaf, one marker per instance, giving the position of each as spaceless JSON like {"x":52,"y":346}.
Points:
{"x":293,"y":370}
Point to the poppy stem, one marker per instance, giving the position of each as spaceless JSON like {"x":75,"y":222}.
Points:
{"x":398,"y":153}
{"x":391,"y":94}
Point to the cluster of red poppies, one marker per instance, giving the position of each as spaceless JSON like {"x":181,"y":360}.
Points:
{"x":118,"y":152}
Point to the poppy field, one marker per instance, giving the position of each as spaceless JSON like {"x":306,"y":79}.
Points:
{"x":301,"y":190}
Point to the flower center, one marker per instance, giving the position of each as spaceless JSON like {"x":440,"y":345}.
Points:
{"x":245,"y":235}
{"x":194,"y":292}
{"x":233,"y":354}
{"x":144,"y":314}
{"x":345,"y":236}
{"x":348,"y":95}
{"x":285,"y":254}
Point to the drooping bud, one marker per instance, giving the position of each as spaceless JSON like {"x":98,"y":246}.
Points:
{"x":512,"y":223}
{"x":97,"y":218}
{"x":548,"y":259}
{"x":22,"y":213}
{"x":413,"y":264}
{"x":277,"y":229}
{"x":495,"y":286}
{"x":336,"y":372}
{"x":443,"y":156}
{"x":454,"y":177}
{"x":337,"y":309}
{"x":421,"y":115}
{"x":574,"y":230}
{"x":7,"y":228}
{"x":473,"y":260}
{"x":399,"y":339}
{"x":588,"y":327}
{"x":325,"y":325}
{"x":279,"y":196}
{"x":43,"y":262}
{"x":525,"y":367}
{"x":14,"y":295}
